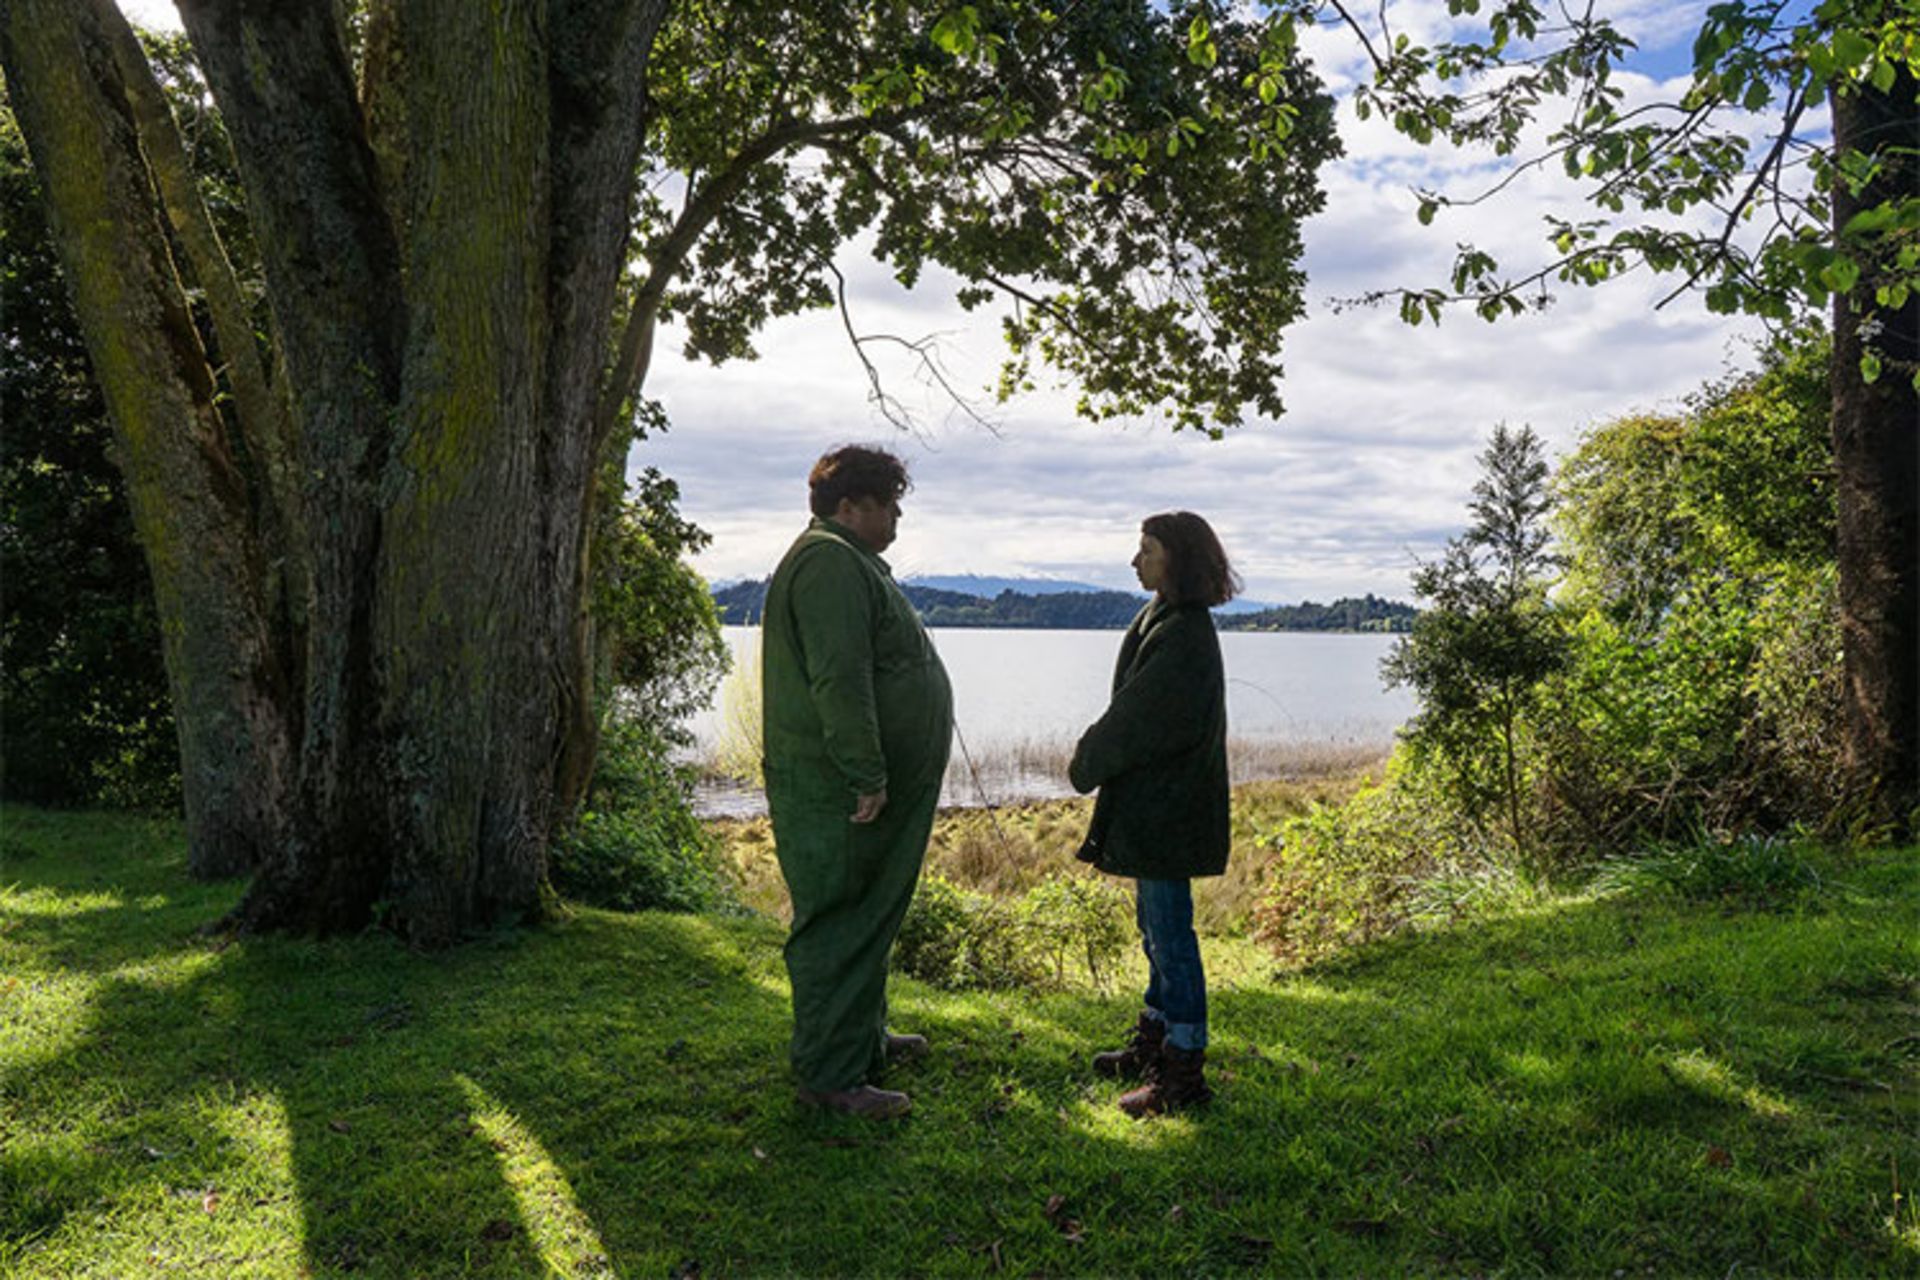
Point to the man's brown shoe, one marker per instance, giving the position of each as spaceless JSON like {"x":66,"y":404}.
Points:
{"x":908,"y":1048}
{"x":862,"y":1100}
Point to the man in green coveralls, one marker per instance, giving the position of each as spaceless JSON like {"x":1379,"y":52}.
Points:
{"x":858,"y":723}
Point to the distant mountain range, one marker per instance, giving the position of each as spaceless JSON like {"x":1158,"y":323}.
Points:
{"x":1051,"y":604}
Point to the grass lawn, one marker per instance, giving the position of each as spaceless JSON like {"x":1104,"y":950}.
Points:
{"x":1605,"y":1086}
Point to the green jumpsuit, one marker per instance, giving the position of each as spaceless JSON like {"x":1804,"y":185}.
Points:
{"x":855,"y":699}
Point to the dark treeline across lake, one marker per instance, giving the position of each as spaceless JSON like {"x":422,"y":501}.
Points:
{"x":741,"y":604}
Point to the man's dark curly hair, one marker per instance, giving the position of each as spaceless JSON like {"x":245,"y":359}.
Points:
{"x":1201,"y":573}
{"x":855,"y":471}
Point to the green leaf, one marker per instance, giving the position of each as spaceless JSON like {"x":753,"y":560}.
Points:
{"x":1869,"y":367}
{"x":1840,"y":275}
{"x":1427,"y":209}
{"x":1851,"y":49}
{"x":958,"y":32}
{"x":1876,"y":218}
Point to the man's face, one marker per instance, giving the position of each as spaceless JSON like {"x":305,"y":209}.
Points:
{"x":874,"y":521}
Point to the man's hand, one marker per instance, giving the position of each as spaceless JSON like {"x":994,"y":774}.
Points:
{"x":867,"y":807}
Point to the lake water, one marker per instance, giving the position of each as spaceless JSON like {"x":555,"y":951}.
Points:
{"x":1021,"y":699}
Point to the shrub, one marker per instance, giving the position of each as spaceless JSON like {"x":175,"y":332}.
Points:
{"x":638,"y":846}
{"x":961,"y":940}
{"x":1077,"y":920}
{"x":1350,"y":873}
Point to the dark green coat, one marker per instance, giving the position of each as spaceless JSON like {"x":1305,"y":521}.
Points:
{"x":1159,"y":754}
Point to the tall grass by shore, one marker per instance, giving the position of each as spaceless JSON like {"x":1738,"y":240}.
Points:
{"x":1027,"y":769}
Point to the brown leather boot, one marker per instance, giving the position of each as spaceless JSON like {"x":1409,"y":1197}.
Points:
{"x":1175,"y":1082}
{"x":1143,"y":1047}
{"x":862,"y":1100}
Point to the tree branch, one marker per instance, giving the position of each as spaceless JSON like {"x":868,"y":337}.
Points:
{"x":703,"y":206}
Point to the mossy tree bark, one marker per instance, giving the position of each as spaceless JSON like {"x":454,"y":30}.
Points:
{"x":1876,"y":448}
{"x":184,"y":464}
{"x":386,"y":736}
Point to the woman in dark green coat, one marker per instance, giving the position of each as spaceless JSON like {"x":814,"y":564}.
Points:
{"x":1159,"y":759}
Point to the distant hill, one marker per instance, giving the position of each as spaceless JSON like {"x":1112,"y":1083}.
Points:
{"x":1367,"y":613}
{"x":1091,"y":609}
{"x":985,"y":587}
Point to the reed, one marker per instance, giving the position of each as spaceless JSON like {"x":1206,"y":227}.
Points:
{"x":1008,"y":849}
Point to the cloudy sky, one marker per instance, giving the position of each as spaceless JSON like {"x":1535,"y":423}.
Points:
{"x":1369,"y":468}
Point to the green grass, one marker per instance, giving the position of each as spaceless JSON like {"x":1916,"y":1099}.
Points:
{"x":1602,"y":1085}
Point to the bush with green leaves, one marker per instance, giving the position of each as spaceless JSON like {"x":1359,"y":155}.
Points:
{"x":961,"y":940}
{"x":638,"y":845}
{"x":1703,"y":687}
{"x":1065,"y":926}
{"x":1351,"y":873}
{"x":1077,"y":921}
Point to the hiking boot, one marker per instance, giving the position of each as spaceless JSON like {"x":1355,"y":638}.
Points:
{"x":1143,"y":1047}
{"x":862,"y":1100}
{"x":1175,"y":1082}
{"x":907,"y":1048}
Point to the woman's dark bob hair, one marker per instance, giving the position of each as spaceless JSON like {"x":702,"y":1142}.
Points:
{"x":855,"y":471}
{"x":1201,"y":573}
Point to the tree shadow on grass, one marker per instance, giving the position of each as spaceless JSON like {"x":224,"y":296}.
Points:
{"x":294,"y":1106}
{"x":1602,"y":1088}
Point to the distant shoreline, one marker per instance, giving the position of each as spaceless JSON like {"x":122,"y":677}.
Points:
{"x":741,"y":604}
{"x":1220,"y":624}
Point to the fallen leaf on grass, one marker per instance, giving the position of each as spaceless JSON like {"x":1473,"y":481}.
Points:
{"x":1069,"y":1228}
{"x":1719,"y":1158}
{"x":1176,"y":1215}
{"x":339,"y":1126}
{"x":758,"y":1154}
{"x":210,"y":1201}
{"x":497,"y":1230}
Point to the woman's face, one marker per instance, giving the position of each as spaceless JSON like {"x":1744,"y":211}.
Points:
{"x":1153,"y":565}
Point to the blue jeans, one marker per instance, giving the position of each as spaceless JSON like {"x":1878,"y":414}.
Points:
{"x":1177,"y":985}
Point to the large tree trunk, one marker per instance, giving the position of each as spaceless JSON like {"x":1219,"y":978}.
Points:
{"x":1876,"y":446}
{"x":442,"y":284}
{"x":186,"y":488}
